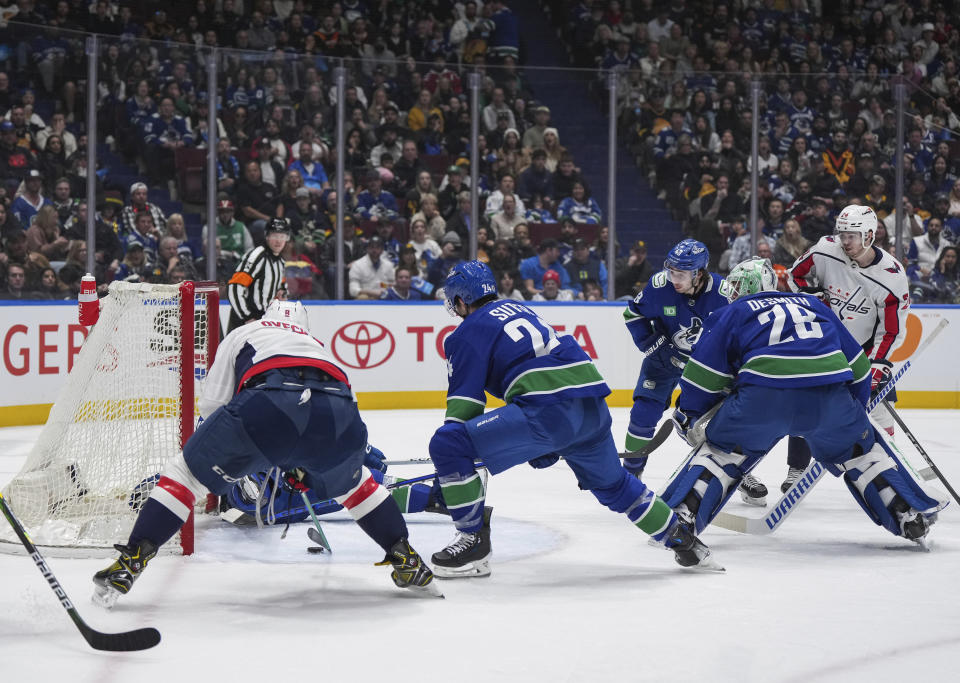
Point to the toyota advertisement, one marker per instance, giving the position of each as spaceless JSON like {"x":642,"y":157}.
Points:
{"x":393,"y":353}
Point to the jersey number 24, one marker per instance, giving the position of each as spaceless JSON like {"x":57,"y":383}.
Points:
{"x":803,"y":320}
{"x":543,"y":338}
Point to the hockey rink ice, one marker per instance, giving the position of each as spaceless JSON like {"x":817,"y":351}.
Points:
{"x":576,"y":593}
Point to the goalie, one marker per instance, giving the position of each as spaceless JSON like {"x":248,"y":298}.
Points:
{"x":274,"y":397}
{"x":794,"y":369}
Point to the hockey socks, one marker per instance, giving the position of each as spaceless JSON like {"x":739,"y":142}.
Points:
{"x":464,"y":496}
{"x":372,"y":507}
{"x":643,"y":507}
{"x":164,"y":512}
{"x":416,"y":497}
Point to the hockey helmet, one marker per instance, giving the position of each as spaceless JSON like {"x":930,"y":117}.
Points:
{"x":749,"y":277}
{"x":859,"y":219}
{"x":292,"y":312}
{"x":278,"y":225}
{"x":470,"y":282}
{"x":688,"y":255}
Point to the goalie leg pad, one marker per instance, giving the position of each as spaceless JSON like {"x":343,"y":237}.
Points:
{"x":878,"y":477}
{"x":709,"y":478}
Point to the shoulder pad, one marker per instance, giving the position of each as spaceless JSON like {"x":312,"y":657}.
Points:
{"x":659,"y":280}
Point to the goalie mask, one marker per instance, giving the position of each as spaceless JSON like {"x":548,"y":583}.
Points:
{"x":292,"y":312}
{"x":751,"y":276}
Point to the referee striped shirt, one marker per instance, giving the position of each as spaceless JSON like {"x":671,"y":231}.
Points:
{"x":255,"y":283}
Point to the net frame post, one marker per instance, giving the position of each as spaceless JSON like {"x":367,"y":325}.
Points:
{"x":187,"y":393}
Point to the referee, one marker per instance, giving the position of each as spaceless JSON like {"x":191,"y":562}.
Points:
{"x":259,"y":276}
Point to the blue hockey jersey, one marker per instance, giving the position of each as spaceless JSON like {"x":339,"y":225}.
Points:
{"x":504,"y":348}
{"x":660,"y":309}
{"x":772,"y":339}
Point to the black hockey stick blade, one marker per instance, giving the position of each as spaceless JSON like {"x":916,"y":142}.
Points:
{"x":665,"y":430}
{"x":317,"y":538}
{"x":129,"y":641}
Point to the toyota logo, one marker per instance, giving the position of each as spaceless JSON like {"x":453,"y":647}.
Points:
{"x":363,"y":344}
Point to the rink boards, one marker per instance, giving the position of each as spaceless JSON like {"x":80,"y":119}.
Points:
{"x":393,"y":353}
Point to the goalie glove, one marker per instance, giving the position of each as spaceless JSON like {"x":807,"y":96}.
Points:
{"x":689,"y":427}
{"x":880,"y":371}
{"x":292,"y":481}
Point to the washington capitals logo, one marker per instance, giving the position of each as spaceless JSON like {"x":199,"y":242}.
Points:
{"x":687,"y":337}
{"x":895,"y":268}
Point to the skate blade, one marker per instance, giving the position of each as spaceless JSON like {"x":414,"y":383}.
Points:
{"x":923,"y":544}
{"x":431,"y":590}
{"x":757,"y":502}
{"x":473,"y":570}
{"x":105,"y":597}
{"x":707,"y":564}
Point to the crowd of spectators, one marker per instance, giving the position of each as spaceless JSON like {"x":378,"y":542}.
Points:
{"x":826,"y":117}
{"x":684,"y":69}
{"x":407,"y":177}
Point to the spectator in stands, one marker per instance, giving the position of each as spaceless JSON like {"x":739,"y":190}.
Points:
{"x":506,"y":219}
{"x":838,"y":158}
{"x":139,"y":204}
{"x":388,"y":145}
{"x":946,"y":275}
{"x":459,"y":222}
{"x":532,"y":269}
{"x":582,"y":268}
{"x":257,"y":200}
{"x":912,"y":224}
{"x":551,"y":289}
{"x":424,"y":186}
{"x":371,"y":274}
{"x":555,"y":151}
{"x":448,"y":196}
{"x":53,"y":161}
{"x":58,"y":127}
{"x":818,"y":223}
{"x":15,"y":284}
{"x":533,"y":135}
{"x":164,"y":133}
{"x":44,"y":237}
{"x":147,"y":235}
{"x":429,"y":213}
{"x":232,"y":235}
{"x":177,"y":228}
{"x":26,"y":206}
{"x":773,"y":220}
{"x":633,"y":273}
{"x":506,"y":286}
{"x":425,"y":247}
{"x":791,"y":244}
{"x":401,"y":290}
{"x":450,"y":256}
{"x":536,"y":179}
{"x":134,"y":266}
{"x":506,"y":187}
{"x":15,"y":159}
{"x":306,"y":229}
{"x":580,"y":207}
{"x":407,"y":166}
{"x":564,"y":178}
{"x":312,"y":172}
{"x":62,"y":201}
{"x":523,"y":246}
{"x":925,"y":249}
{"x":50,"y":287}
{"x":496,"y":107}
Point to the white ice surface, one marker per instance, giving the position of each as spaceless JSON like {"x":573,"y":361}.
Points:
{"x":576,"y":593}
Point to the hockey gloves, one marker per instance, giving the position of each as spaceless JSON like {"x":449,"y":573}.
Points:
{"x":544,"y":461}
{"x":681,"y":422}
{"x":664,"y":353}
{"x":374,"y":459}
{"x":880,"y":371}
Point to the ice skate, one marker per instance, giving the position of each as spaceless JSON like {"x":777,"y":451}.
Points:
{"x":914,"y":526}
{"x":118,"y":578}
{"x":689,"y":551}
{"x":753,"y":491}
{"x":410,"y":571}
{"x":792,"y":475}
{"x":468,"y":556}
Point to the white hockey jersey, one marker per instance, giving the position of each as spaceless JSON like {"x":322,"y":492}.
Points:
{"x":257,"y":347}
{"x":872,"y":302}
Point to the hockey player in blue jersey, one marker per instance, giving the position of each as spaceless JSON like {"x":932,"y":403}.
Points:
{"x":666,"y":320}
{"x":555,"y":407}
{"x":783,"y":364}
{"x":274,"y":397}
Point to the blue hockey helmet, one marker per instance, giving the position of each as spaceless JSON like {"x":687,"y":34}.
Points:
{"x":688,"y":255}
{"x":470,"y":282}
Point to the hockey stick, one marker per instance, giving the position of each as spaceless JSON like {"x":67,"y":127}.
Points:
{"x":814,"y":471}
{"x":319,"y":536}
{"x":920,"y":450}
{"x":129,"y":641}
{"x":665,"y":430}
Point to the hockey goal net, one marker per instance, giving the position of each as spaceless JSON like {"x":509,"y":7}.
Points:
{"x":127,"y":408}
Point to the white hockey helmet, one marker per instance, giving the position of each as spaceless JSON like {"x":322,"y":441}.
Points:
{"x":292,"y":312}
{"x":749,"y":277}
{"x":859,"y":219}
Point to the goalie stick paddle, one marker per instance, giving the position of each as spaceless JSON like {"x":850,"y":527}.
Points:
{"x":129,"y":641}
{"x":811,"y":475}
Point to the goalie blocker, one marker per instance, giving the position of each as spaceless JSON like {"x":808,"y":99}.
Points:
{"x":788,"y":351}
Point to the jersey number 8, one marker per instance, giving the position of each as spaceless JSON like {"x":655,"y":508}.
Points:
{"x":544,"y":340}
{"x":803,"y":323}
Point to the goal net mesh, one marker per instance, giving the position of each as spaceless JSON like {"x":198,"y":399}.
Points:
{"x":116,"y":422}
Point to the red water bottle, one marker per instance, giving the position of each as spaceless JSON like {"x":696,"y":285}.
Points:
{"x":89,"y":301}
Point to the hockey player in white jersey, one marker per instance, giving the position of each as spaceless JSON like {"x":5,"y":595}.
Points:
{"x":274,"y":397}
{"x":868,"y":290}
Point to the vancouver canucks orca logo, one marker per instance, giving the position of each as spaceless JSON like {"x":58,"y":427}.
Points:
{"x":687,"y":337}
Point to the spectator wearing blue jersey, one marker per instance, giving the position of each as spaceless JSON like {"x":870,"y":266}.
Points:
{"x":554,"y":407}
{"x":580,"y":207}
{"x":375,"y":203}
{"x":789,"y":350}
{"x":401,"y":289}
{"x":582,"y":268}
{"x":26,"y":206}
{"x":313,"y":174}
{"x":533,"y":269}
